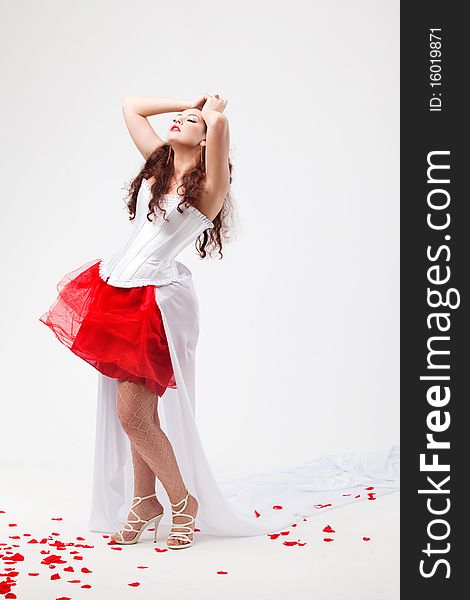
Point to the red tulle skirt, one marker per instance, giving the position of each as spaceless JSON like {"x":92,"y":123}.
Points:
{"x":119,"y":331}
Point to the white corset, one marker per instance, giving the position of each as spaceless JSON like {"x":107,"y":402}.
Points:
{"x":148,"y":256}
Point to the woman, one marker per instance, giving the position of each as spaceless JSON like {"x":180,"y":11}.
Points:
{"x":134,"y":316}
{"x":106,"y":311}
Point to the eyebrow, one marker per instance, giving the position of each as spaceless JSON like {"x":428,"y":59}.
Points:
{"x":190,"y":114}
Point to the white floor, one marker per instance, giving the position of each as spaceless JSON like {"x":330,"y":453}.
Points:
{"x":347,"y":568}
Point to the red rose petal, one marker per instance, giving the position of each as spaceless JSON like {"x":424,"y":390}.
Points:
{"x":53,"y":558}
{"x":328,"y":529}
{"x":366,"y":539}
{"x":328,"y":539}
{"x":85,"y":570}
{"x":55,"y":576}
{"x":277,"y":507}
{"x":222,"y":572}
{"x":290,"y":543}
{"x":257,"y":513}
{"x":370,"y":488}
{"x":135,"y":584}
{"x":87,"y":586}
{"x":161,"y":549}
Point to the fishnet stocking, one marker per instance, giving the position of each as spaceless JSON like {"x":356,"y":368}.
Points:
{"x":152,"y":454}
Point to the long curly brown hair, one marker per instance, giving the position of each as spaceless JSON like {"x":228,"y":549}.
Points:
{"x":160,"y":165}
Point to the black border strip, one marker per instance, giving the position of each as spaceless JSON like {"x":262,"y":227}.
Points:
{"x":430,"y":255}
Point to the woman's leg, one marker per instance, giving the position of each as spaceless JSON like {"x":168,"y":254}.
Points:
{"x":137,"y":410}
{"x":144,"y":485}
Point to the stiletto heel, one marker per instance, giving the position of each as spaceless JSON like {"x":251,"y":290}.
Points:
{"x":156,"y":522}
{"x":143,"y":527}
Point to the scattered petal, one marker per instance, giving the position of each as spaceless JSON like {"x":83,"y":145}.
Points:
{"x":135,"y":584}
{"x":277,"y":507}
{"x":53,"y":558}
{"x":328,"y":529}
{"x":222,"y":572}
{"x":366,"y":539}
{"x":328,"y":539}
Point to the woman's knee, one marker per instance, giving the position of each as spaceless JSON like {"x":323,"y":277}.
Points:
{"x":136,"y":406}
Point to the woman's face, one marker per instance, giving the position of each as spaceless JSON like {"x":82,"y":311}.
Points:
{"x":188,"y":127}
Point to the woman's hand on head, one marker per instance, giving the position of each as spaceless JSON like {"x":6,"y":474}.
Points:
{"x":199,"y":101}
{"x":212,"y":103}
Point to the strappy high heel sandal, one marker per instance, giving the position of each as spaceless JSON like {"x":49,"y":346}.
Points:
{"x":177,"y":534}
{"x":145,"y":524}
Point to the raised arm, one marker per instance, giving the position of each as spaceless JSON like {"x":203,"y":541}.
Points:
{"x":136,"y":109}
{"x":217,"y":151}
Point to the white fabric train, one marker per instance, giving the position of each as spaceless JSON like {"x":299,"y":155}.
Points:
{"x":227,"y":507}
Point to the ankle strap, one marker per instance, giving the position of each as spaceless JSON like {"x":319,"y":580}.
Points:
{"x":185,"y":498}
{"x":140,"y":498}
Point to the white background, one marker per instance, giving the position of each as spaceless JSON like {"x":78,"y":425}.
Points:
{"x":298,"y":354}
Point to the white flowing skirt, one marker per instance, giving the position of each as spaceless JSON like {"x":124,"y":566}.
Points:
{"x":241,"y":506}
